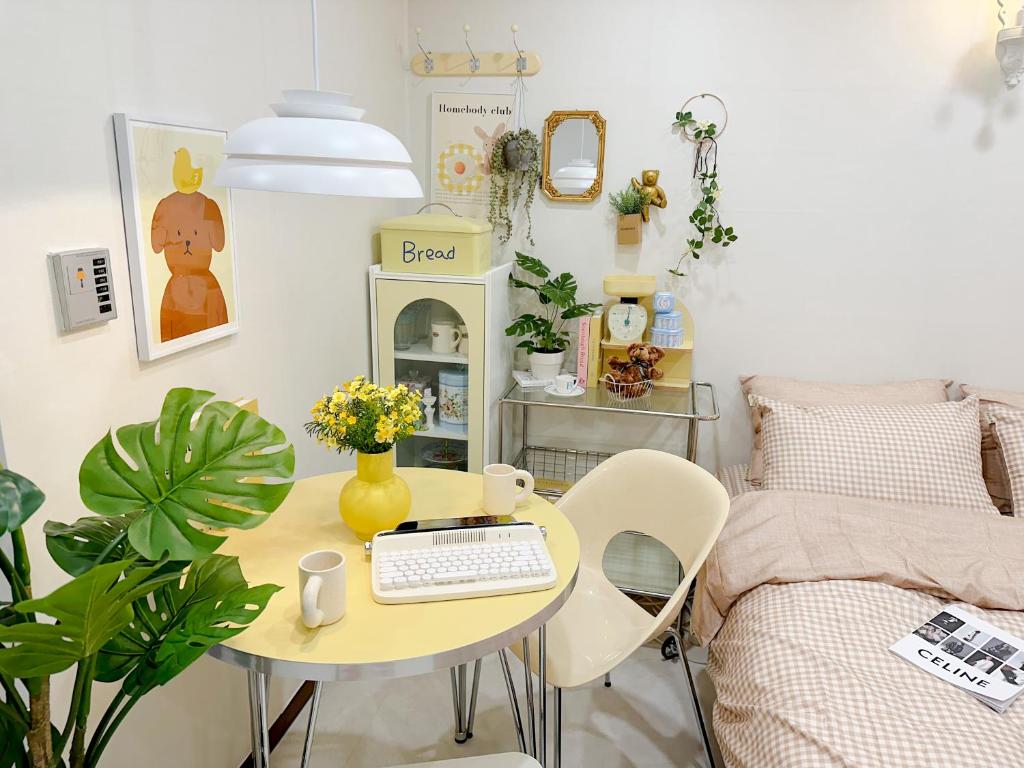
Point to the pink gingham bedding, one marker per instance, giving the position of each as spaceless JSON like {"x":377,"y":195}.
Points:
{"x":801,"y":598}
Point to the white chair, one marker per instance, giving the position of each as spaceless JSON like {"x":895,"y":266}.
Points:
{"x":507,"y":760}
{"x":664,"y":496}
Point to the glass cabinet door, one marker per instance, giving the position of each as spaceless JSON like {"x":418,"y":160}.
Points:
{"x":430,"y":338}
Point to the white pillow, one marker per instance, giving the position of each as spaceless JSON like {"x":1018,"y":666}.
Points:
{"x":920,"y":454}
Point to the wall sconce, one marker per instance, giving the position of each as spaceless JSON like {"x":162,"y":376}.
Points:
{"x":1010,"y":47}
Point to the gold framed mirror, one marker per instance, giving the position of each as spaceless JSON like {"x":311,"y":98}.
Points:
{"x":573,"y":166}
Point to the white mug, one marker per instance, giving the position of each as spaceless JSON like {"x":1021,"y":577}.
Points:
{"x":501,"y":488}
{"x":565,"y":383}
{"x":463,"y":348}
{"x":444,"y":337}
{"x":322,"y":587}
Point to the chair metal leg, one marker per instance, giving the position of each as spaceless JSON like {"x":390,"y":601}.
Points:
{"x":260,"y":729}
{"x":530,"y":711}
{"x":472,"y":699}
{"x":558,"y":727}
{"x":314,"y":708}
{"x":693,"y":693}
{"x":513,"y":699}
{"x":607,"y":679}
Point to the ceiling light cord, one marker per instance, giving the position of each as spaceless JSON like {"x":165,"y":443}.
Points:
{"x":316,"y":52}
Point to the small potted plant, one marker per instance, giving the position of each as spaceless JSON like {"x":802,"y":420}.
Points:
{"x":369,"y":420}
{"x":546,"y":337}
{"x":515,"y":170}
{"x":629,"y":204}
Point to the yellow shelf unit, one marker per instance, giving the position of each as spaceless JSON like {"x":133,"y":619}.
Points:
{"x":678,"y":361}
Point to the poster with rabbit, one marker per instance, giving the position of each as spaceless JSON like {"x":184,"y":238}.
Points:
{"x":463,"y":130}
{"x":178,"y":232}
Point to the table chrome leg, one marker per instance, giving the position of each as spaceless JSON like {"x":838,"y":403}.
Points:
{"x":472,"y":699}
{"x":513,"y":699}
{"x":693,"y":693}
{"x":460,"y":732}
{"x":314,"y":708}
{"x":558,"y":727}
{"x":461,"y":738}
{"x":531,"y":715}
{"x":542,"y":740}
{"x":258,"y":683}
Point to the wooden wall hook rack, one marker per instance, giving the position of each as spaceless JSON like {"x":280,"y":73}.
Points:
{"x":457,"y":64}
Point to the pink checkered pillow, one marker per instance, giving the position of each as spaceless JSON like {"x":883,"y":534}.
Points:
{"x":1008,"y":427}
{"x":919,"y":454}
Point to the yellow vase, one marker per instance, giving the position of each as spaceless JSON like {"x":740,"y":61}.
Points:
{"x":376,"y":499}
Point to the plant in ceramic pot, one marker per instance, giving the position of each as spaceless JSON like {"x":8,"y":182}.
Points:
{"x":369,"y":420}
{"x":629,"y":205}
{"x":545,"y":331}
{"x":515,"y":171}
{"x":148,"y":596}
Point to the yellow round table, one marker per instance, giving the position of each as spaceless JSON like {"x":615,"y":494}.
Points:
{"x":375,"y":640}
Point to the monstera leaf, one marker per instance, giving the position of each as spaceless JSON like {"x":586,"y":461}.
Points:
{"x":12,"y":736}
{"x":19,"y":499}
{"x":89,"y":610}
{"x":187,"y":473}
{"x":181,"y":621}
{"x":88,"y":542}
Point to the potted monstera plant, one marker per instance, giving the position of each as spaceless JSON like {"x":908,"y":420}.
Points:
{"x":148,"y":595}
{"x":546,"y":335}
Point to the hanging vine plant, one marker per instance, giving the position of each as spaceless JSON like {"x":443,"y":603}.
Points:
{"x":515,"y":169}
{"x":705,"y":218}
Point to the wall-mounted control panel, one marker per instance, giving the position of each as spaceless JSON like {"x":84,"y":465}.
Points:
{"x":84,"y":285}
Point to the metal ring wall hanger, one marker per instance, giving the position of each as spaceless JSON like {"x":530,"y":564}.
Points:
{"x":702,"y":96}
{"x":428,"y":60}
{"x":474,"y":62}
{"x":706,"y":157}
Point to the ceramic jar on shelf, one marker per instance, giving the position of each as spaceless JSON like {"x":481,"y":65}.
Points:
{"x":453,"y":398}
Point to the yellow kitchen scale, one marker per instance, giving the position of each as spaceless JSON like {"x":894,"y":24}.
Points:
{"x":628,"y":320}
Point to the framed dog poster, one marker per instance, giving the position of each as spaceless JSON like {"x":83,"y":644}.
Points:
{"x":178,"y":229}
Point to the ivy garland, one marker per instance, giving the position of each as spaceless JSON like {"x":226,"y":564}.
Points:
{"x":705,"y":217}
{"x":507,"y":184}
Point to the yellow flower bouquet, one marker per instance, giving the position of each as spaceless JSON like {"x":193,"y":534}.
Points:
{"x":361,"y":416}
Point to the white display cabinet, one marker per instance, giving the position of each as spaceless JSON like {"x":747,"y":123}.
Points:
{"x":463,"y":432}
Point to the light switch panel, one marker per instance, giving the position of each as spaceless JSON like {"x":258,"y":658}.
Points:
{"x":84,"y":287}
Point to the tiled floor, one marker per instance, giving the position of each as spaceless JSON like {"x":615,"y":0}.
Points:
{"x":645,"y":720}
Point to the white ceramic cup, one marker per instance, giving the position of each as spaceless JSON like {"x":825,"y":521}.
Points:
{"x":565,"y":383}
{"x":444,"y":337}
{"x":322,"y":587}
{"x":501,"y":488}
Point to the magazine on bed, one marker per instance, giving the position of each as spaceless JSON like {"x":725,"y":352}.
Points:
{"x":961,"y":649}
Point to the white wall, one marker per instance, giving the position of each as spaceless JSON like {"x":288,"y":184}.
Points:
{"x":871,"y":168}
{"x":64,"y":68}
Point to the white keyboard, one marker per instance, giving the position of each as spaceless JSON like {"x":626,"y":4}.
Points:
{"x":427,"y":566}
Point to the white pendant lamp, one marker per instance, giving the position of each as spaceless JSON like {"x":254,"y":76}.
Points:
{"x":318,"y":145}
{"x":578,"y":176}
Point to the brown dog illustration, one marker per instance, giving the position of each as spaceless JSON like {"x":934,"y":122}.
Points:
{"x":188,"y":227}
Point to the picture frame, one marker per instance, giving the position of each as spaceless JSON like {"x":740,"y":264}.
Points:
{"x":179,"y":234}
